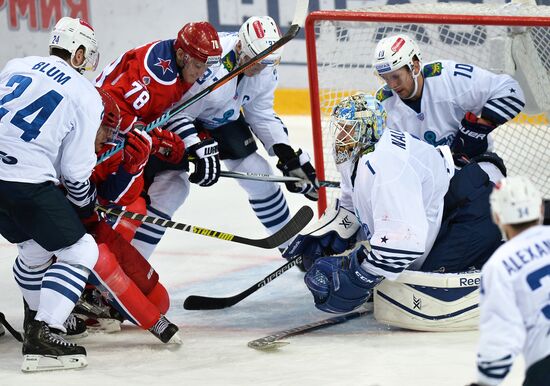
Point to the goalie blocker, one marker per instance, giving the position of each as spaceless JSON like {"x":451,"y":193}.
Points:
{"x":426,"y":301}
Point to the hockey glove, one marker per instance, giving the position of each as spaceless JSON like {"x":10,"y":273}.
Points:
{"x":167,"y":146}
{"x":82,"y":196}
{"x":340,"y":284}
{"x":471,"y":138}
{"x":136,"y":150}
{"x":335,"y":232}
{"x":207,"y":162}
{"x":296,"y":164}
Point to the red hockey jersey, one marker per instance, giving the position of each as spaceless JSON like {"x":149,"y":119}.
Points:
{"x":144,"y":81}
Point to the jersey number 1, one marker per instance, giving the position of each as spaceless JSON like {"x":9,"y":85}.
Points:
{"x":45,"y":105}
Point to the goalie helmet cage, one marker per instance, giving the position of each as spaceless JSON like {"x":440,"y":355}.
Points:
{"x":511,"y":38}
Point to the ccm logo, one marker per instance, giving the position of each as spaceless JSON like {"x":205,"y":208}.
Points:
{"x":465,"y":282}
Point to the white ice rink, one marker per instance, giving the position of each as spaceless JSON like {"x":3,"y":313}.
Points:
{"x":359,"y":352}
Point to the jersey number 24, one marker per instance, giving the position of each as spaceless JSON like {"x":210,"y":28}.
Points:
{"x":44,"y":105}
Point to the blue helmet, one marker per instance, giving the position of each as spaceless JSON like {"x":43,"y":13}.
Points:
{"x":357,"y":123}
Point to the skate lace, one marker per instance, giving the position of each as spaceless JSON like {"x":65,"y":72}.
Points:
{"x":55,"y":338}
{"x":71,"y":322}
{"x":160,"y":326}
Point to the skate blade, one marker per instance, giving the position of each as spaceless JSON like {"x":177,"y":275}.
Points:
{"x":267,"y":346}
{"x":76,"y":336}
{"x":175,"y":339}
{"x":34,"y":363}
{"x":105,"y":326}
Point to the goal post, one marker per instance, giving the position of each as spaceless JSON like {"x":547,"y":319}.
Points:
{"x":504,"y":38}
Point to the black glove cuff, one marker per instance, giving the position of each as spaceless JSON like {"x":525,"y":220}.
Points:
{"x":284,"y":152}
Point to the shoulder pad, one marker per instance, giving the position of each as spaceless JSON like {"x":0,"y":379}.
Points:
{"x":432,"y":69}
{"x":229,"y":61}
{"x":161,"y":62}
{"x":383,"y":93}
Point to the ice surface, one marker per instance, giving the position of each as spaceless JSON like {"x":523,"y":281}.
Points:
{"x":359,"y":352}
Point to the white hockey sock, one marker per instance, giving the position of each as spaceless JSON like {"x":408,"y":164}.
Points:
{"x":272,"y":211}
{"x":29,"y":280}
{"x":148,"y":236}
{"x":62,"y":286}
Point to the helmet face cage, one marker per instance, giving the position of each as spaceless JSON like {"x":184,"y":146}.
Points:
{"x":258,"y":33}
{"x":70,"y":34}
{"x":516,"y":200}
{"x":357,"y":122}
{"x":395,"y":52}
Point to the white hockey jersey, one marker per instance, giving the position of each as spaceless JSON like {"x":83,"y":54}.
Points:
{"x":254,"y":94}
{"x":397,"y":195}
{"x":450,"y":90}
{"x":49,"y":116}
{"x":515,"y":305}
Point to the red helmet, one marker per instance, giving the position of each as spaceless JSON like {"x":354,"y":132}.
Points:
{"x":200,"y":40}
{"x":111,"y":112}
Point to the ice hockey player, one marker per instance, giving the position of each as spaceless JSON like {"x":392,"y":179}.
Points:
{"x":515,"y":283}
{"x":444,"y":102}
{"x":50,"y":117}
{"x":121,"y":273}
{"x":233,"y":115}
{"x":402,"y":206}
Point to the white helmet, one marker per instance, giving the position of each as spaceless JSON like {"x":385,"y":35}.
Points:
{"x":70,"y":34}
{"x":516,"y":200}
{"x":394,"y":52}
{"x":257,"y":34}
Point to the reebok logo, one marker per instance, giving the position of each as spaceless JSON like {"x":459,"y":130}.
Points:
{"x":469,"y":282}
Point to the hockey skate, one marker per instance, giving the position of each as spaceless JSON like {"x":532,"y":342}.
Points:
{"x":99,"y":316}
{"x":166,"y":331}
{"x":43,"y":350}
{"x":75,"y":326}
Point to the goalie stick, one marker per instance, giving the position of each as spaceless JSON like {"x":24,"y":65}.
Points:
{"x":274,"y":340}
{"x":196,"y":302}
{"x":270,"y":178}
{"x":297,"y":23}
{"x":291,"y":228}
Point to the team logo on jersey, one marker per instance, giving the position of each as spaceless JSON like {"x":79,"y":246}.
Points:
{"x":383,"y":93}
{"x":146,"y":80}
{"x":165,"y":65}
{"x":420,"y":116}
{"x":229,"y":61}
{"x":432,"y":69}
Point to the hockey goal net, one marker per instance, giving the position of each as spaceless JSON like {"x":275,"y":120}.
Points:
{"x":511,"y":38}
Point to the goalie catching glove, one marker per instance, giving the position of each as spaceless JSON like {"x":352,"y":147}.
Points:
{"x":471,"y":138}
{"x":340,"y":284}
{"x":335,"y":232}
{"x":206,"y":158}
{"x":297,"y":164}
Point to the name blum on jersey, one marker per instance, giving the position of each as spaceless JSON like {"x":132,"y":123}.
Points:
{"x":55,"y":73}
{"x":524,"y":256}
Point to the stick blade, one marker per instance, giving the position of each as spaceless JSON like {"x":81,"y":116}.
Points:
{"x":291,"y":228}
{"x":196,"y":302}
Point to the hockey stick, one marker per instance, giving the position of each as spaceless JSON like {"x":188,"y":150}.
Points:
{"x":297,"y":23}
{"x":274,"y":340}
{"x":196,"y":302}
{"x":295,"y":225}
{"x":8,"y":326}
{"x":270,"y":178}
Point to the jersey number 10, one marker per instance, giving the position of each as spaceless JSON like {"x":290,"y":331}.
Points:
{"x":44,"y":105}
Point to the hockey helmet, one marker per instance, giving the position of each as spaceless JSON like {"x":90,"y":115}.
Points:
{"x":357,"y":123}
{"x":257,"y":34}
{"x":394,"y":52}
{"x":516,"y":200}
{"x":201,"y":41}
{"x":111,"y":113}
{"x":70,"y":34}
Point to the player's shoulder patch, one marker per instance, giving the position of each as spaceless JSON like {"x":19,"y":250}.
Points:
{"x":161,"y":62}
{"x":229,"y":61}
{"x":383,"y":93}
{"x":432,"y":69}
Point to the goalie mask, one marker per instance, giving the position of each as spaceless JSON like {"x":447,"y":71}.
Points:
{"x":357,"y":123}
{"x":515,"y":200}
{"x":70,"y":34}
{"x":257,"y":34}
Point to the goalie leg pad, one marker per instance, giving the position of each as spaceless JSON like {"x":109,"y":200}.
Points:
{"x":424,"y":301}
